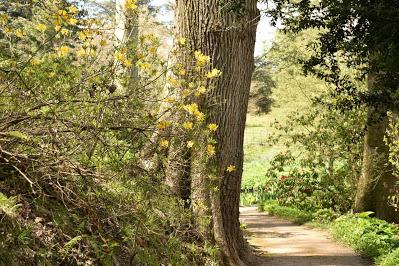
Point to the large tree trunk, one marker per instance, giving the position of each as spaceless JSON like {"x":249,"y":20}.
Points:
{"x":377,"y":182}
{"x":227,"y":33}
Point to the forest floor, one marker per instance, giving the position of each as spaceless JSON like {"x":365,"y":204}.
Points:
{"x":282,"y":243}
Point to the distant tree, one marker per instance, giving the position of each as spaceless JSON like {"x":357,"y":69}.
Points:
{"x":363,"y":35}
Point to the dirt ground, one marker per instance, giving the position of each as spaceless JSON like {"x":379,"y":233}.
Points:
{"x":282,"y":243}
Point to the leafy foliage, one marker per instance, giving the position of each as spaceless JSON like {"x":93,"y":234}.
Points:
{"x":73,"y":130}
{"x":358,"y":34}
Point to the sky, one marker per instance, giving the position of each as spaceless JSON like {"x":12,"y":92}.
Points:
{"x":265,"y":33}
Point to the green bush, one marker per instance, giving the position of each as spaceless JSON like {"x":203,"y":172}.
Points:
{"x":391,"y":259}
{"x":292,"y":214}
{"x":369,"y":236}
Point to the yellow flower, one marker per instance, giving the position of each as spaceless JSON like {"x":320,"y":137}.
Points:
{"x":143,"y":65}
{"x":200,"y":116}
{"x":64,"y":31}
{"x":127,"y":63}
{"x":82,"y":35}
{"x":119,"y":56}
{"x":73,"y":9}
{"x":131,"y":4}
{"x":188,"y":125}
{"x":62,"y":13}
{"x":163,"y":124}
{"x":41,"y":27}
{"x":62,"y":51}
{"x":191,"y":108}
{"x":202,"y":59}
{"x":35,"y":61}
{"x":231,"y":168}
{"x":182,"y":72}
{"x":174,"y":82}
{"x":57,"y":28}
{"x":182,"y":41}
{"x":190,"y":144}
{"x":81,"y":52}
{"x":201,"y":89}
{"x":213,"y":127}
{"x":19,"y":33}
{"x":164,"y":143}
{"x":72,"y":21}
{"x":214,"y":73}
{"x":211,"y":150}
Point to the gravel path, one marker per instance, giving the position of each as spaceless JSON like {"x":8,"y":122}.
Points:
{"x":283,"y":243}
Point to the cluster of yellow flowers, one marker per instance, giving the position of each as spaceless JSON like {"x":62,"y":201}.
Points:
{"x":201,"y":59}
{"x":121,"y":57}
{"x":131,"y":4}
{"x":193,"y":109}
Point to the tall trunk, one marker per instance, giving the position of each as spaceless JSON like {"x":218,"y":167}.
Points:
{"x":377,"y":183}
{"x":227,"y":33}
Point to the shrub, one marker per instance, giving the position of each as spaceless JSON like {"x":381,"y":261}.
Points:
{"x":391,"y":259}
{"x":369,"y":236}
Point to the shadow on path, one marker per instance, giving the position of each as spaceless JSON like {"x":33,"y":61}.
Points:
{"x":283,"y":243}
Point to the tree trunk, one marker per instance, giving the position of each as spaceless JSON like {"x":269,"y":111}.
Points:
{"x":377,"y":182}
{"x":226,"y":32}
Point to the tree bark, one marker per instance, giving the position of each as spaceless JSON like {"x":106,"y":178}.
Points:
{"x":377,"y":182}
{"x":227,"y":33}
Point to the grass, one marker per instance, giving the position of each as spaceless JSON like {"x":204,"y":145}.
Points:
{"x":292,"y":214}
{"x":368,"y":236}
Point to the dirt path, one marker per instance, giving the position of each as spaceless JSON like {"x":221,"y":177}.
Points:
{"x":283,"y":243}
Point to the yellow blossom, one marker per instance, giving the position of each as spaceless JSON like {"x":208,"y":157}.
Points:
{"x":191,"y":108}
{"x":19,"y":33}
{"x":64,"y":31}
{"x":163,"y":124}
{"x":211,"y":150}
{"x":62,"y":13}
{"x":81,"y":52}
{"x":164,"y":143}
{"x":231,"y":168}
{"x":182,"y":72}
{"x":131,"y":4}
{"x":182,"y":41}
{"x":62,"y":51}
{"x":73,"y":9}
{"x":57,"y":28}
{"x":202,"y":89}
{"x":127,"y":63}
{"x":213,"y":127}
{"x":72,"y":21}
{"x":82,"y":35}
{"x":41,"y":27}
{"x":200,"y":116}
{"x":174,"y":82}
{"x":214,"y":73}
{"x":35,"y":61}
{"x":143,"y":65}
{"x":119,"y":56}
{"x":202,"y":59}
{"x":188,"y":125}
{"x":190,"y":144}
